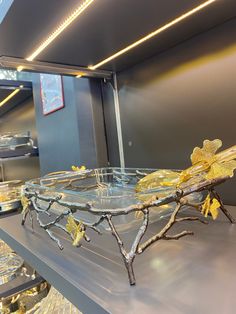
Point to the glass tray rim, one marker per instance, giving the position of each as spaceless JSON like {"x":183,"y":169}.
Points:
{"x":36,"y":183}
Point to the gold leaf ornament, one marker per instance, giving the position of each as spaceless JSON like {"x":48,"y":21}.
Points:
{"x":157,"y":179}
{"x":138,"y":214}
{"x":211,"y":205}
{"x":206,"y":153}
{"x":76,"y":230}
{"x":78,"y":168}
{"x":206,"y":164}
{"x":218,"y":170}
{"x":25,"y":202}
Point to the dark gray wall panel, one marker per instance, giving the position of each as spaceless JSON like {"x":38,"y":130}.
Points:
{"x":70,"y":136}
{"x":57,"y":132}
{"x":90,"y":119}
{"x":173,"y":101}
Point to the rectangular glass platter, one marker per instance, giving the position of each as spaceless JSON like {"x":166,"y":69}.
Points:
{"x":104,"y":188}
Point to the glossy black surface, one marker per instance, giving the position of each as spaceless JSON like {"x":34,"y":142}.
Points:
{"x":104,"y":28}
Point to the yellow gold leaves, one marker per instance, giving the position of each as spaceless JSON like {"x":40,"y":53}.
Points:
{"x":76,"y":168}
{"x":206,"y":165}
{"x":138,"y":214}
{"x":157,"y":179}
{"x":184,"y":176}
{"x":76,"y":230}
{"x":25,"y":202}
{"x":210,"y":165}
{"x":218,"y":170}
{"x":206,"y":153}
{"x":211,"y":205}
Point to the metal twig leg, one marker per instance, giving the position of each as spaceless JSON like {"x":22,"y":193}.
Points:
{"x":31,"y":219}
{"x":162,"y":235}
{"x":134,"y":249}
{"x":24,"y":216}
{"x":51,"y":235}
{"x":49,"y":232}
{"x":222,"y":207}
{"x":123,"y":252}
{"x":129,"y":257}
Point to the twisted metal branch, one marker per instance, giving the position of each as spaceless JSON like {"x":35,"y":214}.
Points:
{"x":178,"y":235}
{"x":129,"y":257}
{"x":55,"y":222}
{"x":163,"y":232}
{"x":192,"y":219}
{"x":107,"y":214}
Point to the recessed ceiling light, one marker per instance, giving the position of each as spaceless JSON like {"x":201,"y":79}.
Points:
{"x":152,"y":34}
{"x":80,"y":9}
{"x":4,"y":8}
{"x":5,"y":100}
{"x":80,"y":75}
{"x":20,"y":68}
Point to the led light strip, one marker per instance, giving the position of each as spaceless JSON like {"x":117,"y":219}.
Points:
{"x":151,"y":35}
{"x":59,"y":30}
{"x":16,"y":91}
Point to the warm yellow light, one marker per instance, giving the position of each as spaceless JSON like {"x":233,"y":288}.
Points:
{"x":60,"y":29}
{"x":20,"y":68}
{"x":156,"y":32}
{"x":80,"y":75}
{"x":10,"y":96}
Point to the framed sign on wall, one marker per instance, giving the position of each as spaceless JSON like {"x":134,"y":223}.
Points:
{"x":51,"y":89}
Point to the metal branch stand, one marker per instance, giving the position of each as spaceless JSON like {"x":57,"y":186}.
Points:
{"x":42,"y":197}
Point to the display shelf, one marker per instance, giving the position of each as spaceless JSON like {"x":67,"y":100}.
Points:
{"x":18,"y":154}
{"x":20,"y":284}
{"x":191,"y":275}
{"x":6,"y":155}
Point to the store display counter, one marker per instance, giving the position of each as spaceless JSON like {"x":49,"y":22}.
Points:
{"x":23,"y":152}
{"x":192,"y":275}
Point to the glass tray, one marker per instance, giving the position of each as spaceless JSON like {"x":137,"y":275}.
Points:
{"x":10,"y":194}
{"x":106,"y":188}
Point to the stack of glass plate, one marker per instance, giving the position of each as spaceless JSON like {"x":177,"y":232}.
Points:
{"x":10,"y":195}
{"x":54,"y":303}
{"x":13,"y":141}
{"x":10,"y":264}
{"x":4,"y":248}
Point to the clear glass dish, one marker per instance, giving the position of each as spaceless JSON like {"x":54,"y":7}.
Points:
{"x":10,"y":195}
{"x":10,"y":190}
{"x":10,"y":265}
{"x":11,"y":141}
{"x":106,"y":188}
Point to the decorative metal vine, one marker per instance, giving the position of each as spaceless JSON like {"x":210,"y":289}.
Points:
{"x":208,"y":171}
